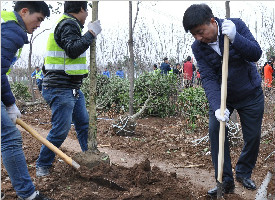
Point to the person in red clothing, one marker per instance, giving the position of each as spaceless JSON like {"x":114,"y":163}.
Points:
{"x":188,"y":68}
{"x":198,"y":77}
{"x":268,"y":70}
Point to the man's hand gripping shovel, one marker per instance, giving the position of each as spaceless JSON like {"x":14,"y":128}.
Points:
{"x":222,"y":124}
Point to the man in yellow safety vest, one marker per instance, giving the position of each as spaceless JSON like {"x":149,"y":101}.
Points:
{"x":65,"y":69}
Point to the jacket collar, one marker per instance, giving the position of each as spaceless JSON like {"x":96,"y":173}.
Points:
{"x":20,"y":21}
{"x":75,"y":19}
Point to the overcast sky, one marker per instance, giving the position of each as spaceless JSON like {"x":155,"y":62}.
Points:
{"x":114,"y":16}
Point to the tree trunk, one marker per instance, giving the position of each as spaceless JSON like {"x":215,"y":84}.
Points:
{"x":92,"y":135}
{"x":30,"y":71}
{"x":131,"y":64}
{"x":227,"y":9}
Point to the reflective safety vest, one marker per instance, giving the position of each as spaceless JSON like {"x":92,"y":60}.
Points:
{"x":157,"y":71}
{"x":171,"y":71}
{"x":56,"y":58}
{"x":38,"y":75}
{"x":6,"y":17}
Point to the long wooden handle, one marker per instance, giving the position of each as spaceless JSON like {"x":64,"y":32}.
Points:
{"x":44,"y":141}
{"x":223,"y":107}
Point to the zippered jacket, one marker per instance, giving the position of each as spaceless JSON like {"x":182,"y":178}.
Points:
{"x":13,"y":37}
{"x":243,"y":77}
{"x":68,"y":36}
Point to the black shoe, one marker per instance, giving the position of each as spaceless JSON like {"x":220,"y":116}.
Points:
{"x":247,"y":183}
{"x":38,"y":196}
{"x":41,"y":197}
{"x":227,"y":187}
{"x":2,"y":195}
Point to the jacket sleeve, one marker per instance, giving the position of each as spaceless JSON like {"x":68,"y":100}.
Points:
{"x":245,"y":43}
{"x":13,"y":38}
{"x":33,"y":74}
{"x":210,"y":80}
{"x":68,"y":37}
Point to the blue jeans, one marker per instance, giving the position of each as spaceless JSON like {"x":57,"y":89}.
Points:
{"x":39,"y":84}
{"x":66,"y":108}
{"x":250,"y":111}
{"x":13,"y":156}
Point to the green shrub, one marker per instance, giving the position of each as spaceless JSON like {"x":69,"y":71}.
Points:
{"x":194,"y":105}
{"x":20,"y":91}
{"x":162,"y":90}
{"x":113,"y":93}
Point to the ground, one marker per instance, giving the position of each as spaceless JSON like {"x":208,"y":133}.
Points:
{"x":159,"y":162}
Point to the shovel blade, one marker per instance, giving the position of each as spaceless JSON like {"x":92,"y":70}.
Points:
{"x":219,"y":190}
{"x":108,"y":183}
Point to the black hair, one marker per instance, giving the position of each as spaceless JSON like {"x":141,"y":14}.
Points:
{"x":74,"y":6}
{"x":155,"y":65}
{"x":188,"y":58}
{"x":177,"y":64}
{"x":33,"y":6}
{"x":195,"y":15}
{"x":165,"y":58}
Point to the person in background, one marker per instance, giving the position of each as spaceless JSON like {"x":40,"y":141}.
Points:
{"x":244,"y":91}
{"x":65,"y":69}
{"x":268,"y":71}
{"x":120,"y":72}
{"x":188,"y":68}
{"x":198,"y":77}
{"x":165,"y":66}
{"x":26,"y":17}
{"x":38,"y":75}
{"x":156,"y":69}
{"x":106,"y":73}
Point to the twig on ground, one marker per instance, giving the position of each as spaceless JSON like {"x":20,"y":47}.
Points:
{"x":190,"y":166}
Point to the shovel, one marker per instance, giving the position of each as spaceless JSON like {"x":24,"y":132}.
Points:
{"x":99,"y":180}
{"x":222,"y":124}
{"x":48,"y":144}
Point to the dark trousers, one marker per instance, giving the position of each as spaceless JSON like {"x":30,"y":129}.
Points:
{"x":250,"y":111}
{"x":39,"y":84}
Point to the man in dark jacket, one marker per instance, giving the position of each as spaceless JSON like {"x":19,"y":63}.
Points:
{"x":165,"y":67}
{"x":65,"y":67}
{"x":244,"y":92}
{"x":25,"y":18}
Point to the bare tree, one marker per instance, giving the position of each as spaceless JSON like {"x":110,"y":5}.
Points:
{"x":92,"y":141}
{"x":131,"y":64}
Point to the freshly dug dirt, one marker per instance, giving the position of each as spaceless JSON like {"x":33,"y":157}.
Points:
{"x":159,"y":162}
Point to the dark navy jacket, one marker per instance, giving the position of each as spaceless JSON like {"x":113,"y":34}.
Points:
{"x":13,"y":37}
{"x":164,"y":67}
{"x":243,"y":78}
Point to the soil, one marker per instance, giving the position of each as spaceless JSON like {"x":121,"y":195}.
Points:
{"x":160,"y":161}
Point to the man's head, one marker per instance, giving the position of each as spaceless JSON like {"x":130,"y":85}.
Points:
{"x":106,"y":69}
{"x":78,"y":9}
{"x":188,"y":58}
{"x":178,"y":66}
{"x":32,"y":13}
{"x":165,"y":60}
{"x":155,"y":66}
{"x":200,"y":21}
{"x":37,"y":68}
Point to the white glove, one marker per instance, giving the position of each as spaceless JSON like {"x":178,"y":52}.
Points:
{"x":95,"y":27}
{"x":229,"y":29}
{"x":13,"y":112}
{"x":224,"y":118}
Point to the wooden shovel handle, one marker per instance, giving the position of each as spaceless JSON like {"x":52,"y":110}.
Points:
{"x":223,"y":107}
{"x":48,"y":144}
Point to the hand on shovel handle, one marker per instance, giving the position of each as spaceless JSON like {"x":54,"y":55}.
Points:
{"x":222,"y":124}
{"x":44,"y":141}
